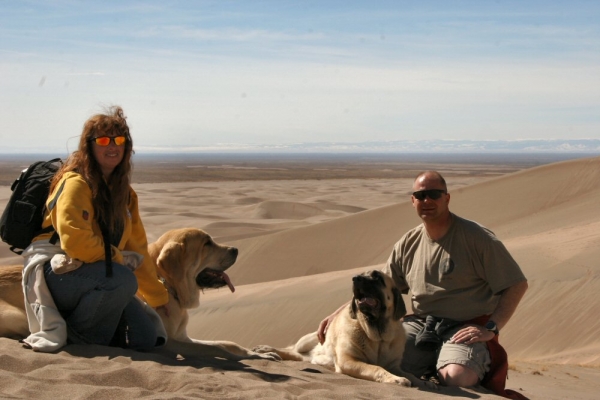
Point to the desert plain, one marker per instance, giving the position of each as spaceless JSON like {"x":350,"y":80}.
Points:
{"x":304,"y":225}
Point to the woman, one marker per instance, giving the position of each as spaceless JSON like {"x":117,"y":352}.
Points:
{"x":91,"y":199}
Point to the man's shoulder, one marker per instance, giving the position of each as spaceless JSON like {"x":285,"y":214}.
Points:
{"x":472,"y":227}
{"x":468,"y":223}
{"x":412,"y":234}
{"x":417,"y":230}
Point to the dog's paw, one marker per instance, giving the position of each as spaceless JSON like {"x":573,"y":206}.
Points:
{"x":266,"y":352}
{"x":263,"y":349}
{"x":397,"y":380}
{"x":424,"y":384}
{"x":429,"y":385}
{"x":266,"y":355}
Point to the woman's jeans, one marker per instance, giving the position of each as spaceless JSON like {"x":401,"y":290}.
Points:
{"x":101,"y":310}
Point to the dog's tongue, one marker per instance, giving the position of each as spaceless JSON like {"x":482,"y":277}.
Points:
{"x":371,"y":302}
{"x":227,"y":281}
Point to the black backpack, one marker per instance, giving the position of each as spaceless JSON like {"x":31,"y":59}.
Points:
{"x":22,"y":218}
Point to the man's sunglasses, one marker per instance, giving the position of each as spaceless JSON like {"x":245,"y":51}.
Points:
{"x":433,"y":194}
{"x":105,"y":140}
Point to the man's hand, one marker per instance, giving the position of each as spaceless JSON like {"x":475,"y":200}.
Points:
{"x":324,"y":325}
{"x":472,"y":334}
{"x":323,"y":329}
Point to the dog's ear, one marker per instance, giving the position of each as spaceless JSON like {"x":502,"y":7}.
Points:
{"x":399,"y":307}
{"x":352,"y":309}
{"x":169,"y":259}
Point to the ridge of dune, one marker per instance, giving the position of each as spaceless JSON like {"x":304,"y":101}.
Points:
{"x":527,"y":201}
{"x":364,"y":238}
{"x":277,"y":209}
{"x":523,"y":194}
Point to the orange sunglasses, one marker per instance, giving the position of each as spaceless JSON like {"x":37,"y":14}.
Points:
{"x":105,"y":140}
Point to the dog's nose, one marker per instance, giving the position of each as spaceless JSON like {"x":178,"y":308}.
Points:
{"x":234,"y":251}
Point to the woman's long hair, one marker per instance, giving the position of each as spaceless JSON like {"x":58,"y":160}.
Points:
{"x":110,"y":199}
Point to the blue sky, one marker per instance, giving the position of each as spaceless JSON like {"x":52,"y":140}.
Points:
{"x":225,"y":74}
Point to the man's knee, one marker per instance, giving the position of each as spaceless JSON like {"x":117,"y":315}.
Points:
{"x":457,"y":375}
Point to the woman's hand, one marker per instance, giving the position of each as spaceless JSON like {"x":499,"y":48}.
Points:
{"x":164,"y":309}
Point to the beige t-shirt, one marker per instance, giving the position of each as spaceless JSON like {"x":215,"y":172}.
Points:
{"x":459,"y":276}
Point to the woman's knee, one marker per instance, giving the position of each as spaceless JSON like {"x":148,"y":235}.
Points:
{"x":123,"y":280}
{"x":130,"y":277}
{"x":119,"y":288}
{"x":141,"y":332}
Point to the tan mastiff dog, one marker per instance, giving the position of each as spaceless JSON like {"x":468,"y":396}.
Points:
{"x":364,"y":341}
{"x":188,"y":260}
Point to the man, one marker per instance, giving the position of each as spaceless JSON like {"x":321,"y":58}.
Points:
{"x":461,"y":277}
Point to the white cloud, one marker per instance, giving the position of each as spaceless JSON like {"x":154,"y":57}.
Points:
{"x":278,"y":74}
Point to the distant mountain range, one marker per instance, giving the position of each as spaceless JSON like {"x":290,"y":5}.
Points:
{"x":583,"y":146}
{"x":401,"y":146}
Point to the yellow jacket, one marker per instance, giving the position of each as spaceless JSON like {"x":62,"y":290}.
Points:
{"x":81,"y":237}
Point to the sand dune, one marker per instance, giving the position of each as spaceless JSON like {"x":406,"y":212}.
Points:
{"x":301,"y":241}
{"x":527,"y":202}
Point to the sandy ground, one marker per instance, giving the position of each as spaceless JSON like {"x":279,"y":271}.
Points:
{"x":301,"y":241}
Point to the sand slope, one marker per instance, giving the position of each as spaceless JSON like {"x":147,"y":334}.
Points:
{"x":299,"y":246}
{"x":548,"y":218}
{"x":530,"y":201}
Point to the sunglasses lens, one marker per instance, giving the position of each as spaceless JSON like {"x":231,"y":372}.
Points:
{"x":433,"y":194}
{"x":105,"y":140}
{"x":102,"y":141}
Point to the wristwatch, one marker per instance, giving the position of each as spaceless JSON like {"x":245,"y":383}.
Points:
{"x":492,"y":327}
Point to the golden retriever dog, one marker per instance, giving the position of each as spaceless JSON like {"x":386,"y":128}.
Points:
{"x":13,"y":320}
{"x":188,"y":260}
{"x":364,"y":341}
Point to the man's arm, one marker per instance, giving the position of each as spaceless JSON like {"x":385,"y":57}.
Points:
{"x":507,"y":304}
{"x":322,"y":331}
{"x":509,"y":300}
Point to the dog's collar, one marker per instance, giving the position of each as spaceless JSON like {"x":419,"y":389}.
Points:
{"x":171,"y":291}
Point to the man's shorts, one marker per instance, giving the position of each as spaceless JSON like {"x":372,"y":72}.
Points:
{"x":424,"y":362}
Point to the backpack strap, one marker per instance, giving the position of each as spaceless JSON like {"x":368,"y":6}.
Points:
{"x":52,"y":204}
{"x":14,"y":250}
{"x":54,"y":238}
